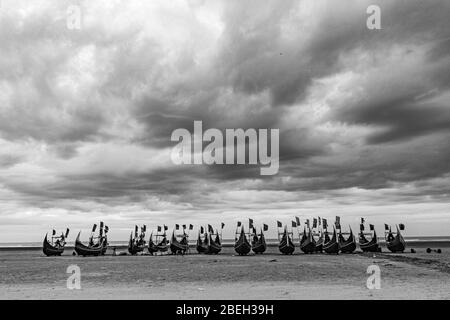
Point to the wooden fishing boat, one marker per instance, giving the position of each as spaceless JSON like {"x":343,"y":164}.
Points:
{"x":178,"y":247}
{"x":331,"y":246}
{"x":53,"y":250}
{"x":242,"y":246}
{"x":214,"y":246}
{"x":152,"y":247}
{"x":90,"y":250}
{"x":259,"y":243}
{"x":286,"y":245}
{"x":347,"y":245}
{"x":163,"y":245}
{"x":307,"y":242}
{"x":202,"y":245}
{"x":395,"y":243}
{"x":135,"y":246}
{"x":371,"y":245}
{"x":319,"y":243}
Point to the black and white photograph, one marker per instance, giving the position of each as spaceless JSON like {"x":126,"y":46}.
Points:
{"x":214,"y":150}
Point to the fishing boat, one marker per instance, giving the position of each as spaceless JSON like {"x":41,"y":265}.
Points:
{"x":331,"y":246}
{"x":307,"y":242}
{"x":368,"y":245}
{"x":259,"y":243}
{"x":54,"y":247}
{"x":89,"y":250}
{"x":347,"y":245}
{"x":242,"y":245}
{"x":202,"y":244}
{"x":136,"y":244}
{"x":214,"y":246}
{"x":96,"y":246}
{"x":152,"y":247}
{"x":286,"y":245}
{"x":395,"y":241}
{"x":163,"y":245}
{"x":179,"y":247}
{"x":319,"y":243}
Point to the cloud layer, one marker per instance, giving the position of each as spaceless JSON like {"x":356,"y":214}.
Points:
{"x":86,"y":115}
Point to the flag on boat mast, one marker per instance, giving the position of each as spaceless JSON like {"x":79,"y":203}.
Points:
{"x":297,"y":220}
{"x":184,"y":227}
{"x":338,"y":222}
{"x":361,"y":227}
{"x":372,"y":227}
{"x":279,"y":224}
{"x":325,"y":224}
{"x":294,"y":224}
{"x":401,"y":226}
{"x":238,"y":223}
{"x":223,"y":225}
{"x":386,"y":227}
{"x":191,"y":227}
{"x":250,"y":223}
{"x":265,"y":227}
{"x":159,"y":228}
{"x":314,"y":223}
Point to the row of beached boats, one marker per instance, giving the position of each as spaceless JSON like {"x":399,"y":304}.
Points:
{"x":315,"y":238}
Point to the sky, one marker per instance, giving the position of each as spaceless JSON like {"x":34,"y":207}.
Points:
{"x":86,"y":114}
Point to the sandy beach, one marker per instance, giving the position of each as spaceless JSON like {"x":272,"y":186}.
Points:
{"x":28,"y":274}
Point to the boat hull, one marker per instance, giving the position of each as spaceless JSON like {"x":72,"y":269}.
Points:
{"x":369,"y":246}
{"x":332,"y":246}
{"x":259,"y":246}
{"x":396,"y":245}
{"x":214,"y":247}
{"x":50,"y":250}
{"x":242,"y":246}
{"x":83,"y":250}
{"x":349,"y":245}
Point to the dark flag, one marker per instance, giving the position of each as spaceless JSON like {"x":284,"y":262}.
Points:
{"x":136,"y":231}
{"x":279,"y":224}
{"x":239,"y":224}
{"x":177,"y":227}
{"x":94,"y":227}
{"x":54,"y":232}
{"x":145,"y":228}
{"x":307,"y":222}
{"x":210,"y":229}
{"x":223,"y":225}
{"x":159,"y":228}
{"x":294,"y":225}
{"x":201,"y":230}
{"x":320,"y":221}
{"x":101,"y":224}
{"x":362,"y":220}
{"x":338,"y":222}
{"x":191,"y":227}
{"x":386,"y":227}
{"x":325,"y":224}
{"x":250,"y":223}
{"x":106,"y":229}
{"x":297,"y":220}
{"x":314,"y":223}
{"x":265,"y":227}
{"x":254,"y":230}
{"x":372,"y":227}
{"x":67,"y":233}
{"x":401,"y":226}
{"x":166,"y":228}
{"x":184,"y":226}
{"x":361,"y":227}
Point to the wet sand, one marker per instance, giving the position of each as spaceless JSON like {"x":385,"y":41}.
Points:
{"x":31,"y":275}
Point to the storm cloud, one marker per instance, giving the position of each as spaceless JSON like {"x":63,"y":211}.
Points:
{"x":86,"y":115}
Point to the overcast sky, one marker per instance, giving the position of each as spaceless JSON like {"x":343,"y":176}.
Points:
{"x":86,"y":115}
